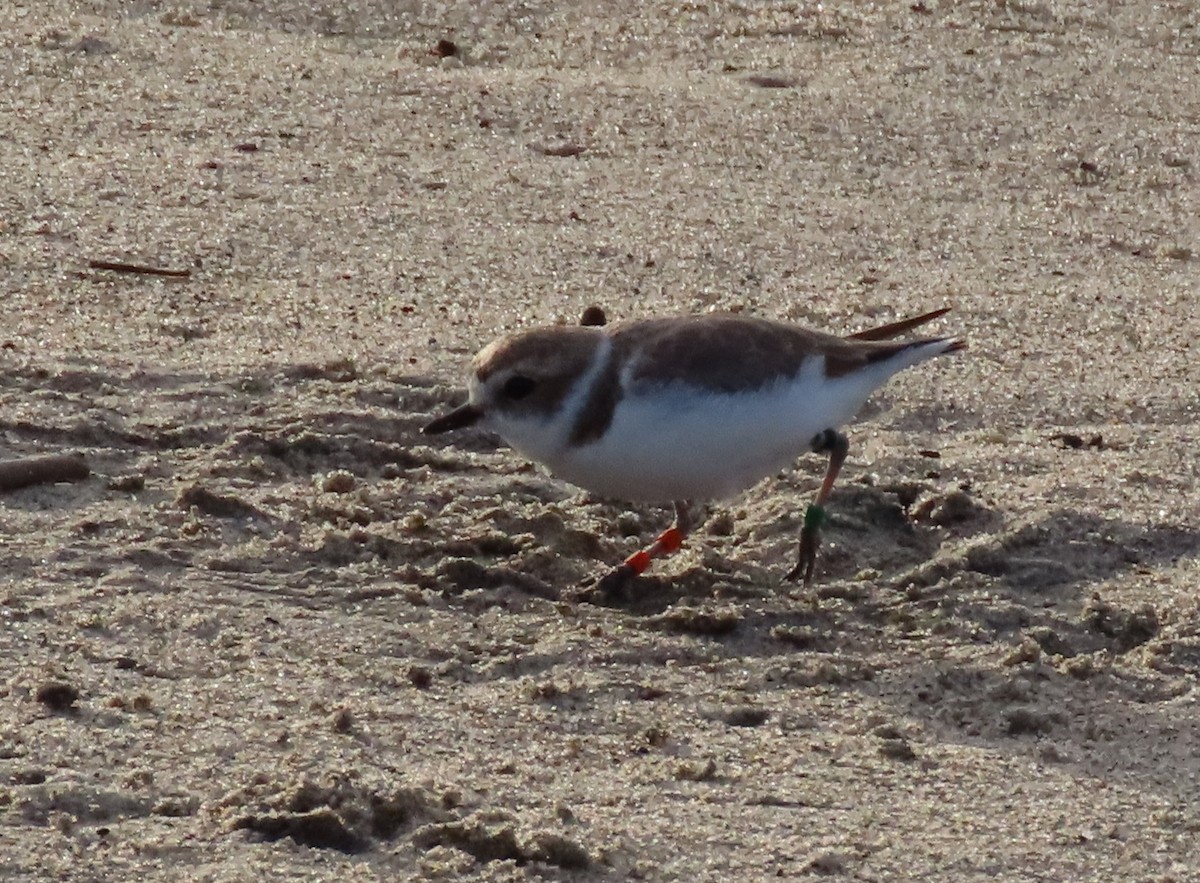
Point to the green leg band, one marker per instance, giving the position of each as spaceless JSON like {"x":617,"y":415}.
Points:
{"x":814,"y":517}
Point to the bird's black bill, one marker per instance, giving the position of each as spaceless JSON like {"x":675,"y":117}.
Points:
{"x":456,"y":419}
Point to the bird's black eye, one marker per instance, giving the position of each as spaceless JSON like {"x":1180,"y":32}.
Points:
{"x":518,"y":386}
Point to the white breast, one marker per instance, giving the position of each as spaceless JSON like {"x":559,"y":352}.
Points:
{"x":676,"y":442}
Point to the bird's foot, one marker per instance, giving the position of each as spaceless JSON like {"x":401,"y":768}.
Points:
{"x":610,"y":589}
{"x":810,"y":541}
{"x":614,"y":585}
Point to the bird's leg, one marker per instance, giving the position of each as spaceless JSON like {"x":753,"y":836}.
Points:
{"x":836,"y":445}
{"x":636,"y":564}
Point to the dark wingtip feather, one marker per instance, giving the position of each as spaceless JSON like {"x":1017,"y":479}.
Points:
{"x":892,"y":329}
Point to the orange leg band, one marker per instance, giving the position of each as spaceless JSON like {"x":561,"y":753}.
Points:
{"x":669,"y":540}
{"x":638,"y":562}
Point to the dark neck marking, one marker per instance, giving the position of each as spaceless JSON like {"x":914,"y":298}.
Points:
{"x":596,"y":415}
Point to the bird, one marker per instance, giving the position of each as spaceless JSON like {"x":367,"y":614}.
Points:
{"x":683,"y":409}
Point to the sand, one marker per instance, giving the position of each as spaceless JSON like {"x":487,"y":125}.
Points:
{"x":278,"y":634}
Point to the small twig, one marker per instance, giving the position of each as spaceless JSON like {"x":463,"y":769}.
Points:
{"x":562,"y":148}
{"x":121,"y":267}
{"x":769,"y":81}
{"x":48,"y":469}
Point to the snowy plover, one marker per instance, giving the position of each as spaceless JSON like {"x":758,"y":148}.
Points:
{"x":684,"y":409}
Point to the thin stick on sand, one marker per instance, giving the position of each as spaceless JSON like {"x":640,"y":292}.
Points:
{"x":48,"y":469}
{"x":140,"y":269}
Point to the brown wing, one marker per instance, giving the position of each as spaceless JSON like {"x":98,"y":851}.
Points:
{"x":724,"y":353}
{"x":729,"y":353}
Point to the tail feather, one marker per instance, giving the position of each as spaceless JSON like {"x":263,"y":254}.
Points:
{"x":903,"y":355}
{"x":891,"y":357}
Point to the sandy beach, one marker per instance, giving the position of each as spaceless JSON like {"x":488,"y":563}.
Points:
{"x":247,"y":250}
